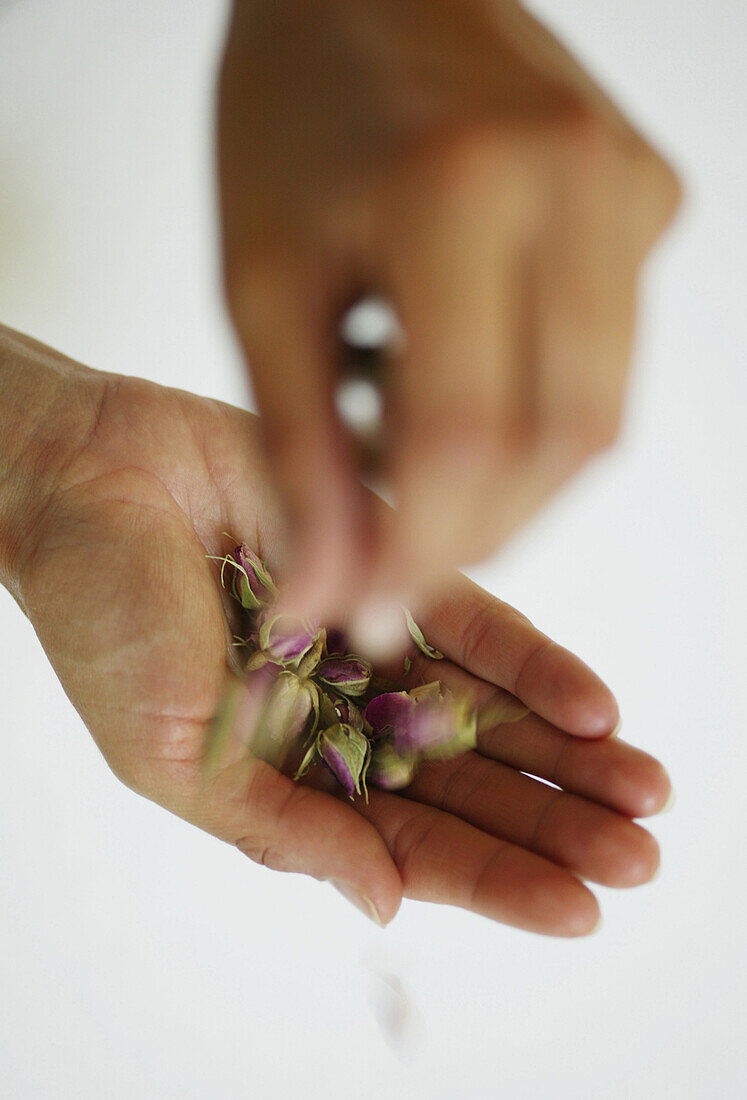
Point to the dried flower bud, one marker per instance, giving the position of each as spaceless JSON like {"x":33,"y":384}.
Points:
{"x":445,"y":729}
{"x":286,"y":639}
{"x":350,"y":675}
{"x":349,"y":713}
{"x":389,"y":713}
{"x":390,"y":770}
{"x":291,"y":705}
{"x":311,"y":658}
{"x":252,"y":584}
{"x":423,"y":722}
{"x":347,"y":754}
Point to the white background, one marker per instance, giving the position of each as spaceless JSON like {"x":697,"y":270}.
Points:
{"x":140,"y":957}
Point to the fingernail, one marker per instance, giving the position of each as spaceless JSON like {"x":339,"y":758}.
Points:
{"x":669,"y":802}
{"x":616,"y":730}
{"x":360,"y":901}
{"x":379,"y":630}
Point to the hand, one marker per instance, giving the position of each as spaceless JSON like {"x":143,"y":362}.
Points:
{"x":114,"y":577}
{"x":456,"y":159}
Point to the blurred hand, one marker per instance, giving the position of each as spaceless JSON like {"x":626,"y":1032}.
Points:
{"x":454,"y":158}
{"x":113,"y":575}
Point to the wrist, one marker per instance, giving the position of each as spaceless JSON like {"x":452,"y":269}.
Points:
{"x":48,"y":407}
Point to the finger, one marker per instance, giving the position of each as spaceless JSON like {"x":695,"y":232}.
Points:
{"x":610,"y":771}
{"x":495,"y":642}
{"x":283,"y":316}
{"x":443,"y":859}
{"x":588,"y":839}
{"x":453,"y":398}
{"x":607,"y":770}
{"x":287,"y":826}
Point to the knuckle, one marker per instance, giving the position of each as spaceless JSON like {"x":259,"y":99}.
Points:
{"x":601,"y":432}
{"x":657,"y":190}
{"x":464,"y":157}
{"x":475,"y":633}
{"x":460,"y":788}
{"x":263,"y":853}
{"x":413,"y":838}
{"x":586,"y":432}
{"x":667,"y":190}
{"x":583,"y":133}
{"x":460,"y":170}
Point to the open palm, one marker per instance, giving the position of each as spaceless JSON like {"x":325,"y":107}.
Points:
{"x":126,"y":605}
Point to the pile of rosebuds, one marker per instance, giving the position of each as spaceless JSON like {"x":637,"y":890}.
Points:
{"x":327,"y":705}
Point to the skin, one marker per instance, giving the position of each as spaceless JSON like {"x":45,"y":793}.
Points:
{"x":116,"y":491}
{"x":452,"y":156}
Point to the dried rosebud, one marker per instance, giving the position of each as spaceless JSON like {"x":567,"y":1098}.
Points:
{"x":389,"y":712}
{"x":290,"y":706}
{"x":308,"y":663}
{"x":423,"y":722}
{"x":347,"y":754}
{"x":286,"y":639}
{"x":389,"y":769}
{"x":445,"y":729}
{"x":348,"y":713}
{"x":334,"y":708}
{"x":252,"y":584}
{"x":350,"y":675}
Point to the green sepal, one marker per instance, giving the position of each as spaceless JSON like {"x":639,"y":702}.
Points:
{"x":309,"y":755}
{"x":418,"y":638}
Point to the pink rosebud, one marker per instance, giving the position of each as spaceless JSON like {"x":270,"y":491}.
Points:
{"x":347,"y":754}
{"x":348,"y":712}
{"x":252,"y":583}
{"x":289,"y":707}
{"x":350,"y":675}
{"x":286,"y":639}
{"x":423,"y":722}
{"x":389,"y":713}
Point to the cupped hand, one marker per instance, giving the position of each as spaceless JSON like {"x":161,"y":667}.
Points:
{"x":455,"y":159}
{"x":130,"y":612}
